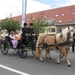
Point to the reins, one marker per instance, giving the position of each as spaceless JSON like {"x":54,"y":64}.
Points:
{"x":44,"y":45}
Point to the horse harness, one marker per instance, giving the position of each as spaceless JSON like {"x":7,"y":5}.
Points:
{"x":45,"y":45}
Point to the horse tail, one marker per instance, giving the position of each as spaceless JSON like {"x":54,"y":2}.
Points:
{"x":37,"y":50}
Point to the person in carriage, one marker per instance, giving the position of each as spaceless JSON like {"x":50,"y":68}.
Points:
{"x":33,"y":35}
{"x":28,"y":34}
{"x":12,"y":40}
{"x":25,"y":34}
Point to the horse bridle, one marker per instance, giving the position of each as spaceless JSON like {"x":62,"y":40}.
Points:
{"x":68,"y":35}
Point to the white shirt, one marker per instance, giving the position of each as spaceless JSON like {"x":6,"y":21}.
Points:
{"x":12,"y":37}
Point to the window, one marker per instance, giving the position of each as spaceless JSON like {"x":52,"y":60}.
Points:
{"x":45,"y":17}
{"x":73,"y":13}
{"x":51,"y":29}
{"x":70,"y":20}
{"x":1,"y":32}
{"x":56,"y":15}
{"x":28,"y":19}
{"x":62,"y":14}
{"x":33,"y":18}
{"x":6,"y":32}
{"x":60,"y":21}
{"x":51,"y":22}
{"x":45,"y":23}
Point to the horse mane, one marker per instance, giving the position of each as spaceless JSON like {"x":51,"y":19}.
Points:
{"x":57,"y":36}
{"x":65,"y":32}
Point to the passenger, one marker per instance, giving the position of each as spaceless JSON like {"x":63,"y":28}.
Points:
{"x":25,"y":34}
{"x":33,"y":36}
{"x":12,"y":38}
{"x":17,"y":36}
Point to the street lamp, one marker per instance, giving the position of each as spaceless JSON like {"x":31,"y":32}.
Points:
{"x":24,"y":6}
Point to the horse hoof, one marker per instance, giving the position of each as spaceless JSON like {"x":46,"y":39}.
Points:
{"x":41,"y":60}
{"x":69,"y":65}
{"x":50,"y":58}
{"x":46,"y":57}
{"x":58,"y":62}
{"x":36,"y":57}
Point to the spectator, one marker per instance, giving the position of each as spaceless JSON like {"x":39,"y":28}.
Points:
{"x":73,"y":43}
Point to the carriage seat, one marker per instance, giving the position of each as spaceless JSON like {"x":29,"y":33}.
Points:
{"x":8,"y":39}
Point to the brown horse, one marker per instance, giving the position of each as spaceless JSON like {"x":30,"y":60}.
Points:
{"x":59,"y":41}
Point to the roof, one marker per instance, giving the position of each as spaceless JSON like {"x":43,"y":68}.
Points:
{"x":63,"y":15}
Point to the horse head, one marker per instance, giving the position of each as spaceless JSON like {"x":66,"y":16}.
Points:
{"x":67,"y":34}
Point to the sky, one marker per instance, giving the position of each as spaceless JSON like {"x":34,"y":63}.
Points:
{"x":14,"y":7}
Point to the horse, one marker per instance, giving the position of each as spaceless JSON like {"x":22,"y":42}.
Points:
{"x":60,"y":41}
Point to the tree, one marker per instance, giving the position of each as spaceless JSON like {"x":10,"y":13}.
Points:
{"x":39,"y":24}
{"x":10,"y":25}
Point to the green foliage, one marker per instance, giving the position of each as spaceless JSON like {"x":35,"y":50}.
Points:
{"x":10,"y":25}
{"x":38,"y":24}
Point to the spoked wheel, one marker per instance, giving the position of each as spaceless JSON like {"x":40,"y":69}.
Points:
{"x":4,"y":50}
{"x":16,"y":50}
{"x":33,"y":50}
{"x":22,"y":51}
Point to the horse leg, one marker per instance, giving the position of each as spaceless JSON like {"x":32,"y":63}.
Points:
{"x":58,"y":59}
{"x":66,"y":56}
{"x":37,"y":53}
{"x":40,"y":56}
{"x":62,"y":55}
{"x":48,"y":53}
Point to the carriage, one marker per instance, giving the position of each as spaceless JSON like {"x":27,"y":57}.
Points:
{"x":21,"y":48}
{"x":48,"y":42}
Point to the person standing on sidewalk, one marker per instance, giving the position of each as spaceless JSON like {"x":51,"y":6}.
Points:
{"x":73,"y":43}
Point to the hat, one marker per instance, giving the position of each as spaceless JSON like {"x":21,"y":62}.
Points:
{"x":31,"y":24}
{"x":25,"y":24}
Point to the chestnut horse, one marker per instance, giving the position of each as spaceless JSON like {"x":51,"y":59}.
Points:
{"x":60,"y":41}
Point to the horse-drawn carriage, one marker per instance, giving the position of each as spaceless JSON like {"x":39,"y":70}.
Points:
{"x":21,"y":48}
{"x":47,"y":42}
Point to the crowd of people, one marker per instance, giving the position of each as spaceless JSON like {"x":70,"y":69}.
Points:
{"x":28,"y":35}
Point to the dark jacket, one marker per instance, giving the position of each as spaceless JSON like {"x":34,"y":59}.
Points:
{"x":31,"y":31}
{"x":74,"y":38}
{"x":24,"y":31}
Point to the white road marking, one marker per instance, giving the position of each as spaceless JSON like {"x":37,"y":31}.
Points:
{"x":13,"y":70}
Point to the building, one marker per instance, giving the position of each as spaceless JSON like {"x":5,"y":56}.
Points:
{"x":56,"y":18}
{"x":64,"y":16}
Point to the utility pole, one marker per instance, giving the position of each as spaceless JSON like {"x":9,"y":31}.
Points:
{"x":24,"y":6}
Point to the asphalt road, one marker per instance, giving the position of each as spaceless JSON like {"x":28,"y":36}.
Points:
{"x":12,"y":64}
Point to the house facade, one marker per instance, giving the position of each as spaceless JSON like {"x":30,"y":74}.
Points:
{"x":63,"y":17}
{"x":56,"y":18}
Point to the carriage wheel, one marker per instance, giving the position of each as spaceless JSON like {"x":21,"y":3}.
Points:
{"x":4,"y":50}
{"x":22,"y":51}
{"x":33,"y":50}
